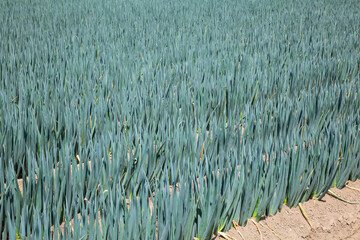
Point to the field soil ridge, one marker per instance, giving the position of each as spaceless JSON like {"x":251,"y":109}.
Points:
{"x":330,"y":217}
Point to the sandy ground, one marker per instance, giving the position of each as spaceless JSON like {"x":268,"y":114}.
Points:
{"x":330,"y":218}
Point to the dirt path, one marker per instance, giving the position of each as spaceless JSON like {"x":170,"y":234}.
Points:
{"x":331,"y":219}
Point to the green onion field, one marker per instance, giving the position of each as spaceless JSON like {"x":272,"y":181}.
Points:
{"x":166,"y":119}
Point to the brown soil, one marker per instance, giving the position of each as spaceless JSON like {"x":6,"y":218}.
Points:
{"x":331,"y":219}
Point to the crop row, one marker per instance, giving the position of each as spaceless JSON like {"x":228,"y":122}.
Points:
{"x":107,"y":107}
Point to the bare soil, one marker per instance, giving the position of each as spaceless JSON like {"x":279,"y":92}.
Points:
{"x":331,"y":219}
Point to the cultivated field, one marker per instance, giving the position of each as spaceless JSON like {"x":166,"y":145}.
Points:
{"x":166,"y":119}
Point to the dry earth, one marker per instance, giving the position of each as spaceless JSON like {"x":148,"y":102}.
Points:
{"x":331,"y":219}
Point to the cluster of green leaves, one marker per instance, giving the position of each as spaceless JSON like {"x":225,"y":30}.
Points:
{"x":237,"y":106}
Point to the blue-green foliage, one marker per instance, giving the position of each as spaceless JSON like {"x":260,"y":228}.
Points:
{"x":168,"y":87}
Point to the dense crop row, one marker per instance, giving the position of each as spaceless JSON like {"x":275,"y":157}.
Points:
{"x":196,"y":112}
